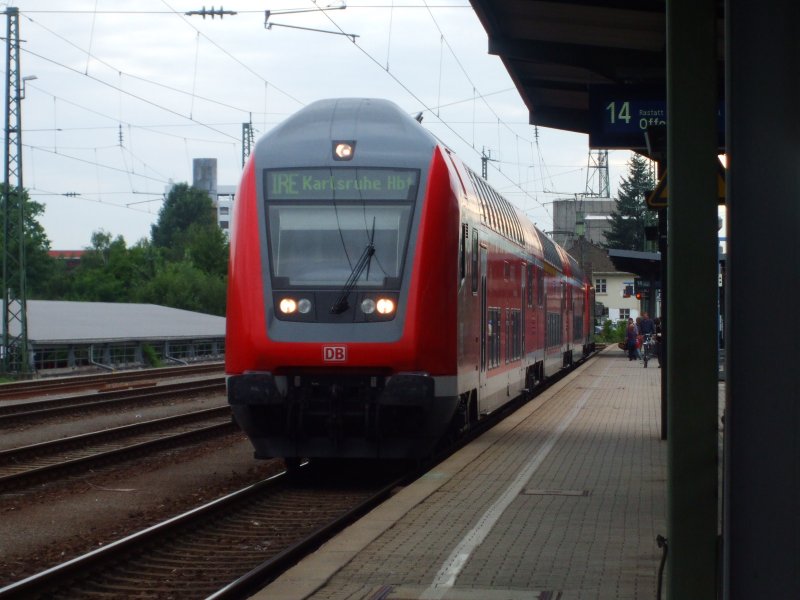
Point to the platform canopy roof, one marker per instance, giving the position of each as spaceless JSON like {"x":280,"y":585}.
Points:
{"x":564,"y":54}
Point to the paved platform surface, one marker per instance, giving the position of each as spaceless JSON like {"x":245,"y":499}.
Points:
{"x":563,"y":500}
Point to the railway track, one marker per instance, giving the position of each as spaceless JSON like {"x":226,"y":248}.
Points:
{"x":225,"y":548}
{"x":230,"y":547}
{"x":20,"y":467}
{"x":60,"y":385}
{"x":42,"y":409}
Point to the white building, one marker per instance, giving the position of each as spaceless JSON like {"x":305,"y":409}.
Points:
{"x":614,"y":294}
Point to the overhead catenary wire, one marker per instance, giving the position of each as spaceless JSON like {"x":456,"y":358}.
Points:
{"x":122,"y":73}
{"x":477,"y":97}
{"x":127,"y":170}
{"x":422,"y":103}
{"x":231,"y":56}
{"x":87,"y":197}
{"x":131,"y":94}
{"x":95,"y":163}
{"x":443,"y":41}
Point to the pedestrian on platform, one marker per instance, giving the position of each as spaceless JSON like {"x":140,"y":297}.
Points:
{"x":632,"y":340}
{"x":648,"y":327}
{"x":659,"y":345}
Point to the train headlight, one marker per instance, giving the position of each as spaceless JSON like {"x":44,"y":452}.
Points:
{"x":304,"y":306}
{"x":288,"y":306}
{"x":343,"y":150}
{"x":368,"y":306}
{"x":385,"y":306}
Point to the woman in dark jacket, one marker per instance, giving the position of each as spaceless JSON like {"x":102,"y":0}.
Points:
{"x":631,"y":335}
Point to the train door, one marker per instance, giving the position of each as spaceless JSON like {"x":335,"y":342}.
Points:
{"x":564,"y":322}
{"x":484,"y":314}
{"x":523,"y":277}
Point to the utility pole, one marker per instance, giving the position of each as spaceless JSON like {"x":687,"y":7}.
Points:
{"x":597,"y":166}
{"x":14,"y":349}
{"x":486,"y":156}
{"x":248,"y":138}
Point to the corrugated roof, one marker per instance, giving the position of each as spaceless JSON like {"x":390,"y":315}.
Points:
{"x":55,"y":321}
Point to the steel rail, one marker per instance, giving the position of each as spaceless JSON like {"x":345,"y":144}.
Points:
{"x":11,"y":413}
{"x":67,"y":574}
{"x":14,"y":458}
{"x":61,"y":577}
{"x":23,"y":389}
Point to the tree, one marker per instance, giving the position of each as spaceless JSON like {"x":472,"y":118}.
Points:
{"x":39,"y":265}
{"x":109,"y":271}
{"x":631,"y":216}
{"x":184,"y":207}
{"x":183,"y":285}
{"x":207,"y":249}
{"x":185,"y":265}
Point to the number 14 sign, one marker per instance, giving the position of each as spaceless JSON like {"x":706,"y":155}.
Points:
{"x":619,"y":117}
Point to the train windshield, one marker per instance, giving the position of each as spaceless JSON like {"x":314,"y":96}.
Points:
{"x":317,"y":238}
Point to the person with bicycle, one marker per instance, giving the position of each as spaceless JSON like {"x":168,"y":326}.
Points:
{"x":648,"y":327}
{"x":648,"y":331}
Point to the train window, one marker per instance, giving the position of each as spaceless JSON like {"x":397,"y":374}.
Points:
{"x":513,"y":334}
{"x":540,"y":287}
{"x":318,"y":244}
{"x":508,"y":336}
{"x":554,"y":321}
{"x":529,"y":284}
{"x":577,"y":317}
{"x":495,"y":316}
{"x":475,"y":256}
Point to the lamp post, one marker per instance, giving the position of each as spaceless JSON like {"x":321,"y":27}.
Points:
{"x":26,"y":79}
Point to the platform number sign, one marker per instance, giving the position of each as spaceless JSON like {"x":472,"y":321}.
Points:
{"x":619,"y":116}
{"x":619,"y":111}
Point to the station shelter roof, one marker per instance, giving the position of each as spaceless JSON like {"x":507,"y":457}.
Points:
{"x":563,"y":54}
{"x":61,"y":322}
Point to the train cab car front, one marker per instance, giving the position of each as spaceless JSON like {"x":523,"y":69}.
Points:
{"x":334,"y":347}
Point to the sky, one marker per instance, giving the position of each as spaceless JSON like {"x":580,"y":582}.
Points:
{"x":126,"y":94}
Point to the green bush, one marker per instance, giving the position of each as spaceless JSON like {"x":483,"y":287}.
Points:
{"x":150,"y":356}
{"x":612,"y":332}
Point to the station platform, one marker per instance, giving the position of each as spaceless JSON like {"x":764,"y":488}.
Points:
{"x":562,"y":500}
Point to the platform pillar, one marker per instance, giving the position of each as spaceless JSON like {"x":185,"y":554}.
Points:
{"x":761,"y":500}
{"x":692,"y":141}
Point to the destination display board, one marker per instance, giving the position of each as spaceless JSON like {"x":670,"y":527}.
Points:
{"x":620,"y":116}
{"x":340,"y":183}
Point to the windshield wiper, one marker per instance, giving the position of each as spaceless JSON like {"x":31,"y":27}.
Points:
{"x":341,"y":303}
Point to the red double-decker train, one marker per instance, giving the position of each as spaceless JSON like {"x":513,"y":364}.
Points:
{"x":382,"y":296}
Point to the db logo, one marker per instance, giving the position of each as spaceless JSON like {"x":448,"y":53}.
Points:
{"x":334,"y":353}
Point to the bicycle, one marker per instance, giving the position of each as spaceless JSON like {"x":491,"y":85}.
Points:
{"x":648,"y":348}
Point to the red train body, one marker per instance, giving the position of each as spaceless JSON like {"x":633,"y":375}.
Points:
{"x":381,"y":295}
